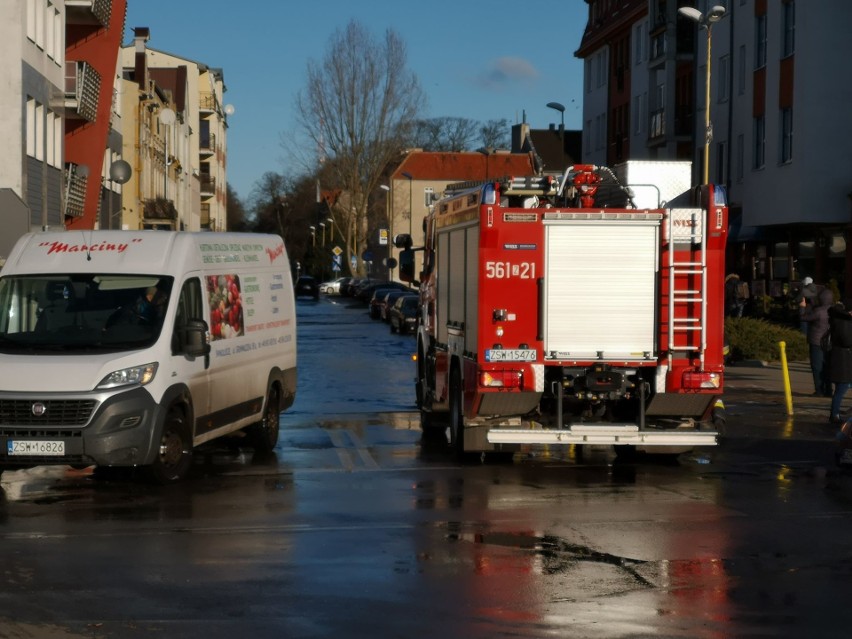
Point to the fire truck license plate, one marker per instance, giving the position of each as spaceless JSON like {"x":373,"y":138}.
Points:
{"x":35,"y":447}
{"x":510,"y":355}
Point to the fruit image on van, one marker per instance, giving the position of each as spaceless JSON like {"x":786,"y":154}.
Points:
{"x":130,"y":348}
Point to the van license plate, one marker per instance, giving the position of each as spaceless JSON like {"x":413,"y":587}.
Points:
{"x":35,"y":447}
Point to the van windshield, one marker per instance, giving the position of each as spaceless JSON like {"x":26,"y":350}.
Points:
{"x":81,"y":313}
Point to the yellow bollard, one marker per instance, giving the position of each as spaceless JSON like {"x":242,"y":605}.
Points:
{"x":788,"y":394}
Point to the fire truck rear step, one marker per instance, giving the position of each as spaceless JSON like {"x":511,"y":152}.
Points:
{"x":615,"y":433}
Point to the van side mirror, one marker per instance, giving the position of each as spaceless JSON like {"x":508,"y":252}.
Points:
{"x":194,"y":338}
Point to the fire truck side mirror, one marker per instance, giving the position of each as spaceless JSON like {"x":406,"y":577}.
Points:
{"x":403,"y":241}
{"x":406,"y":265}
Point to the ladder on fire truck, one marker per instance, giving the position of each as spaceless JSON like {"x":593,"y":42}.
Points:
{"x":687,"y":281}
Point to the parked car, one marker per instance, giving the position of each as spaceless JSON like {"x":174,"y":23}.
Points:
{"x":306,"y":286}
{"x":365,"y":291}
{"x":377,"y":301}
{"x":388,"y":300}
{"x":402,"y":316}
{"x":333,"y":287}
{"x":347,"y":289}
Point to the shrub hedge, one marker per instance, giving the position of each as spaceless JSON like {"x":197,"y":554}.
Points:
{"x":753,"y":338}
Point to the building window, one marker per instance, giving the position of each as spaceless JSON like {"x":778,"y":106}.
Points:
{"x":702,"y":74}
{"x":788,"y":25}
{"x":786,"y":135}
{"x":741,"y":80}
{"x":39,"y":132}
{"x":639,"y":106}
{"x":31,"y":127}
{"x":759,"y":146}
{"x":588,"y":73}
{"x":721,"y":163}
{"x":724,"y":75}
{"x":759,"y":42}
{"x":639,"y":43}
{"x":740,"y":157}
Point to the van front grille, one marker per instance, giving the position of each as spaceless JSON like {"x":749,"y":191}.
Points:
{"x":56,"y":412}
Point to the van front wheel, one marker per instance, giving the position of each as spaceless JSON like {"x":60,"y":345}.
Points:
{"x":264,"y":434}
{"x":174,"y":454}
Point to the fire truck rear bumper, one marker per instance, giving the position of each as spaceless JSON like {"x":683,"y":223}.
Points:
{"x":613,"y":433}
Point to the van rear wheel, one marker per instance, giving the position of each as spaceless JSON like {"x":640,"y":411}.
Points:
{"x":174,"y":455}
{"x":264,"y":434}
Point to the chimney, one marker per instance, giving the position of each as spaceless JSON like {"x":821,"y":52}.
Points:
{"x":141,"y":35}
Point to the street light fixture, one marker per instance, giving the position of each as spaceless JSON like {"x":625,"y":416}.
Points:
{"x":410,"y":211}
{"x":705,"y":22}
{"x":119,"y":173}
{"x":561,"y":108}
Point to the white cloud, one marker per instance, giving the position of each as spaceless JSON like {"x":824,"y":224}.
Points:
{"x":506,"y":71}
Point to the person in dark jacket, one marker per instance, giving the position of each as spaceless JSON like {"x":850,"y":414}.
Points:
{"x":840,"y":355}
{"x":816,"y":317}
{"x":807,"y":293}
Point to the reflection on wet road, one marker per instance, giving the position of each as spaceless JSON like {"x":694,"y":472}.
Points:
{"x":354,"y":527}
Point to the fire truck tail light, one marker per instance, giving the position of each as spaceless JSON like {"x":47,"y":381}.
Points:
{"x":501,"y":379}
{"x":702,"y":379}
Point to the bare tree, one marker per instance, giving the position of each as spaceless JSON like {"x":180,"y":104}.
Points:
{"x":495,"y":134}
{"x":357,"y":107}
{"x":446,"y":134}
{"x":235,"y":217}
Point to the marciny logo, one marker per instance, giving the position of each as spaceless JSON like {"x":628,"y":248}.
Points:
{"x":103,"y":247}
{"x":275,"y":253}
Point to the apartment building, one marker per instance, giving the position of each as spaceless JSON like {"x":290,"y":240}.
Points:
{"x":174,"y":135}
{"x":32,"y":41}
{"x":779,"y":103}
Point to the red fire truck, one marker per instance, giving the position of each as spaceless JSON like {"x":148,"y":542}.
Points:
{"x":573,"y":309}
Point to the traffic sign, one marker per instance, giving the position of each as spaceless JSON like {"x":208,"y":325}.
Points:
{"x":337,"y":250}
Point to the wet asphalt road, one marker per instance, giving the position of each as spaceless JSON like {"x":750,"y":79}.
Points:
{"x":356,"y":528}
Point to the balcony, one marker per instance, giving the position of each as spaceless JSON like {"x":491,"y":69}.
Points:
{"x":76,"y":178}
{"x":95,"y":13}
{"x":207,"y":144}
{"x":207,"y":103}
{"x":208,"y":185}
{"x":159,"y":209}
{"x":82,"y":89}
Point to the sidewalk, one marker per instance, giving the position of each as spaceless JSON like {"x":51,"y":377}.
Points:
{"x":756,"y":406}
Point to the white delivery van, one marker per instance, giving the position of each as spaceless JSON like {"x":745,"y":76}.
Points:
{"x":129,"y":348}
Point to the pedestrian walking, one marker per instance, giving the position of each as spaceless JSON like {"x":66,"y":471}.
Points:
{"x":839,"y":355}
{"x":815,"y":316}
{"x":808,"y":292}
{"x":736,"y":295}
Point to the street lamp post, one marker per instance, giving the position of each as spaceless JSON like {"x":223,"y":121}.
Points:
{"x":561,"y":108}
{"x":410,"y":211}
{"x":386,"y":189}
{"x":322,"y":226}
{"x":705,"y":22}
{"x":119,"y":173}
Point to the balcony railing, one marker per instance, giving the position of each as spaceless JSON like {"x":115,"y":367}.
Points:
{"x":75,"y":189}
{"x":82,"y":88}
{"x":88,"y":12}
{"x":207,"y":143}
{"x":207,"y":102}
{"x":208,"y":185}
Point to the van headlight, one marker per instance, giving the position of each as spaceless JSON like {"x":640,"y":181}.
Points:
{"x":134,"y":375}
